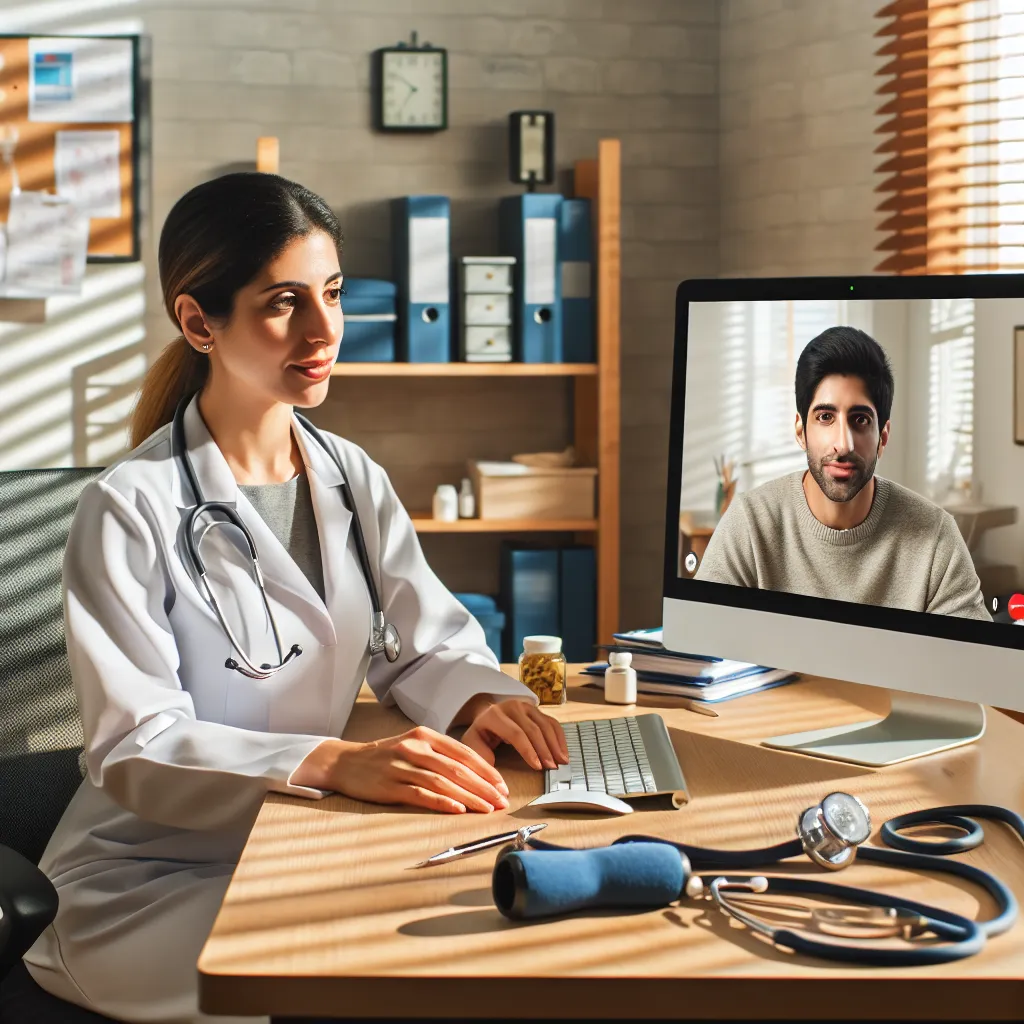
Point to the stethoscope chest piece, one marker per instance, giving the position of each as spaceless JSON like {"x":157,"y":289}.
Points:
{"x":831,"y":832}
{"x":384,"y":637}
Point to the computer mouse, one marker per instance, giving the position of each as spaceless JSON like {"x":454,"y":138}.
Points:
{"x":581,"y":800}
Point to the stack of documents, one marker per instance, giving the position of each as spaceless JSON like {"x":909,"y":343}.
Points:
{"x":661,"y":671}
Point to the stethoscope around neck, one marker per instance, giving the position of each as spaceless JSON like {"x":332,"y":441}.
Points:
{"x":383,"y":635}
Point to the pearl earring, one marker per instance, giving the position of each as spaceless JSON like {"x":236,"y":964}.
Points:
{"x":207,"y":347}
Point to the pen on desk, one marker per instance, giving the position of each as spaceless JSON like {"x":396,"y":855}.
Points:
{"x":464,"y":849}
{"x":700,"y":708}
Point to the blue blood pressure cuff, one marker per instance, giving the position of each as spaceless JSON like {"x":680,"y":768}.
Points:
{"x":542,"y":883}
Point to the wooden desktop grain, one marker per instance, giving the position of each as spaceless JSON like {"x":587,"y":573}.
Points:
{"x":325,"y":915}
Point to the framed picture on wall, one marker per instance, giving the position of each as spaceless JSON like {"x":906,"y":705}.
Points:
{"x":1018,"y":385}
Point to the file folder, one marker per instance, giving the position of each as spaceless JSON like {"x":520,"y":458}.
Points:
{"x":421,"y":242}
{"x":529,"y":595}
{"x":577,"y":598}
{"x":369,"y":309}
{"x":528,"y":230}
{"x":575,"y":260}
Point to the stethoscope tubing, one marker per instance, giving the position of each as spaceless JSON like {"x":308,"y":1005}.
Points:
{"x":231,"y":517}
{"x":963,"y":937}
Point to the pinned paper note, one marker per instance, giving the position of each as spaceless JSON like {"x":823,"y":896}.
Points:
{"x":47,"y":239}
{"x":80,"y":80}
{"x":87,"y":165}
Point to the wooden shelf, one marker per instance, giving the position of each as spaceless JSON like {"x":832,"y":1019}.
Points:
{"x":464,"y":370}
{"x":425,"y":523}
{"x":593,"y":408}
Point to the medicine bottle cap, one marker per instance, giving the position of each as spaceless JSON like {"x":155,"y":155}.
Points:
{"x":542,"y":644}
{"x":446,"y":491}
{"x":467,"y":486}
{"x":619,"y":658}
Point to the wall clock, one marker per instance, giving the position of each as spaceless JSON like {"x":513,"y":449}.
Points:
{"x":411,"y":87}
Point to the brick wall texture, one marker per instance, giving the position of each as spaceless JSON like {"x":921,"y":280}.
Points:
{"x":797,"y":122}
{"x":746,"y":140}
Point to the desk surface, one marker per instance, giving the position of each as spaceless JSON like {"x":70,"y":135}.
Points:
{"x":324,"y":915}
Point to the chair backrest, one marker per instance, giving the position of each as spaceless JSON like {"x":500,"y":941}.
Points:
{"x":40,"y":731}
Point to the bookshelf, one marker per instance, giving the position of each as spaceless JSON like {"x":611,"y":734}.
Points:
{"x":464,"y":370}
{"x":592,"y":388}
{"x":425,"y":523}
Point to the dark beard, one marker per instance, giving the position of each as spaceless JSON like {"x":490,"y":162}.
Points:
{"x":842,"y":490}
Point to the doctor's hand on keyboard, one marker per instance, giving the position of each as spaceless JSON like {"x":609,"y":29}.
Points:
{"x":520,"y":723}
{"x":421,"y":768}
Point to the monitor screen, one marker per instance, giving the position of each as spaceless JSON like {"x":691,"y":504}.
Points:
{"x":846,"y":449}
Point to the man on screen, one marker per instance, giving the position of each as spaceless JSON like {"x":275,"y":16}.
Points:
{"x":837,"y":530}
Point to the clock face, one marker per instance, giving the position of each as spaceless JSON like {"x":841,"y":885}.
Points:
{"x":413,"y":89}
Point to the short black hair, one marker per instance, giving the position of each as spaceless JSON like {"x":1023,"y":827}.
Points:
{"x":851,"y":353}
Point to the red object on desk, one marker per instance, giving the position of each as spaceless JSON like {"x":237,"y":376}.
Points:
{"x":1015,"y":606}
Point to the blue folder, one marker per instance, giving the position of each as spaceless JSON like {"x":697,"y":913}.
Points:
{"x":529,"y":595}
{"x":528,"y":230}
{"x":421,"y":244}
{"x":575,"y":258}
{"x":577,"y":586}
{"x":369,"y":306}
{"x":553,"y":592}
{"x":484,"y":609}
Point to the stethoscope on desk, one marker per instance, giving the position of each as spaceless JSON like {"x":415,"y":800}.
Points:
{"x":533,"y":879}
{"x":383,"y":635}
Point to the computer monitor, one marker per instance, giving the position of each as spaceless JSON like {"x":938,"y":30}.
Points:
{"x":844,"y":492}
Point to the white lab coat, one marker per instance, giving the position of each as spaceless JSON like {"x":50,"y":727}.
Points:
{"x":180,"y":749}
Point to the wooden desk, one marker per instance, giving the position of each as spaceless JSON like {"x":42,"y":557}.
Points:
{"x":324,"y":915}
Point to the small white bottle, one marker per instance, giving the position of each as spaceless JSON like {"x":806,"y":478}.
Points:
{"x":467,"y":502}
{"x":620,"y":679}
{"x":446,"y":504}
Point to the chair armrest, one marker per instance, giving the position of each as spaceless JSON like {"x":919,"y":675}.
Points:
{"x":28,"y":904}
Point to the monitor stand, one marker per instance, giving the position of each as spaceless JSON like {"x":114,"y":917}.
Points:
{"x":916,"y":725}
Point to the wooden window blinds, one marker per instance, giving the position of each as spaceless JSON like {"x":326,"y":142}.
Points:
{"x":953,"y":136}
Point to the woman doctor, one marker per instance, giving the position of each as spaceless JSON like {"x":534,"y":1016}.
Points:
{"x":181,"y":747}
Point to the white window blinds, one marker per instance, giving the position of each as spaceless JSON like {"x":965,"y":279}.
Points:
{"x":950,"y":395}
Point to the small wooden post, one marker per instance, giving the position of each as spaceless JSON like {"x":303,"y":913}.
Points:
{"x":268,"y":154}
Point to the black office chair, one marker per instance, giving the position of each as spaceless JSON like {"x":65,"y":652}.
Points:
{"x":40,"y":731}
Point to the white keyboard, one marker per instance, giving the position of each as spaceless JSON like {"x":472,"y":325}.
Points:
{"x":631,"y":756}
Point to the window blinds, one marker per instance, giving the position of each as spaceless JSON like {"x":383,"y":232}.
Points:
{"x":953,"y":136}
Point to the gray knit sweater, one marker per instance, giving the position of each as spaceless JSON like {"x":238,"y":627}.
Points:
{"x":908,"y":553}
{"x":287,"y":508}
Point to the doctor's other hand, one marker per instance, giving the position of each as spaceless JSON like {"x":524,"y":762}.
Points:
{"x":420,"y":768}
{"x":520,"y":723}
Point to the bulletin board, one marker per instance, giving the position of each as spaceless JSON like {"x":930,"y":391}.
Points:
{"x":74,"y":102}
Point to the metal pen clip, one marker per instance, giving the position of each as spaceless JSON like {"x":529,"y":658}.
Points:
{"x":520,"y":837}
